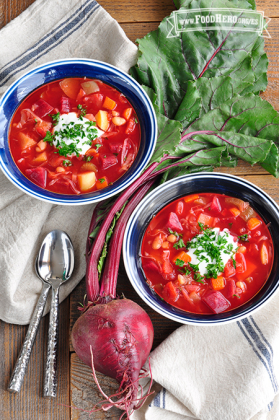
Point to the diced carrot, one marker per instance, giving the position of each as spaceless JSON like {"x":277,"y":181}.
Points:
{"x":182,"y":256}
{"x":253,"y":223}
{"x":190,"y":198}
{"x":109,"y":103}
{"x":170,"y":292}
{"x":70,"y":87}
{"x":264,"y":254}
{"x":127,"y":113}
{"x":102,"y":120}
{"x":40,"y":158}
{"x":205,"y":219}
{"x":102,"y":184}
{"x":86,"y":180}
{"x":218,"y":283}
{"x":26,"y":141}
{"x":234,"y":211}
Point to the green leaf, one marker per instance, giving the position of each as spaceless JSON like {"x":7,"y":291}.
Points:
{"x":183,"y":170}
{"x":251,"y":149}
{"x":167,"y":64}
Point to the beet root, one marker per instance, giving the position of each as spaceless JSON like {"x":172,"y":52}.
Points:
{"x":121,"y":335}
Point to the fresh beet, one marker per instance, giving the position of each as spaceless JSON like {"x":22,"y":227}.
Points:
{"x":38,"y":175}
{"x":42,"y":108}
{"x":121,"y":335}
{"x":173,"y":223}
{"x":216,"y":301}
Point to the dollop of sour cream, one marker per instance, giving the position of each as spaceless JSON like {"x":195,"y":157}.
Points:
{"x":75,"y":134}
{"x":223,"y":242}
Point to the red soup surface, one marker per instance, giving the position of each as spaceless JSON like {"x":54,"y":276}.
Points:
{"x":207,"y":253}
{"x":74,"y":136}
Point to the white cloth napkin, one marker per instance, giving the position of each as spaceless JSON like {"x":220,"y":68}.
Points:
{"x":47,"y":30}
{"x":224,"y":372}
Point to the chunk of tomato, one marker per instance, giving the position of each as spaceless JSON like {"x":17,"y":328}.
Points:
{"x":229,"y":269}
{"x":170,"y":292}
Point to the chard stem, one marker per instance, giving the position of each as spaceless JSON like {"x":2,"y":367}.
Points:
{"x":110,"y":274}
{"x":92,"y":278}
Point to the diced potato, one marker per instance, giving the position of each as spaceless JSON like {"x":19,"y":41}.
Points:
{"x":88,"y":166}
{"x":90,"y":87}
{"x":70,"y":87}
{"x":41,"y":146}
{"x":86,"y":180}
{"x":115,"y":113}
{"x":102,"y":120}
{"x":26,"y":141}
{"x":118,"y":121}
{"x":109,"y":103}
{"x":40,"y":158}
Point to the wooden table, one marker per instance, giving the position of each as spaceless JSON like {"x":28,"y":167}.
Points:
{"x":76,"y":386}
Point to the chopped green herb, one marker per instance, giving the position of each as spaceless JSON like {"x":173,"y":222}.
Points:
{"x":230,"y":225}
{"x":87,"y":158}
{"x":49,"y":138}
{"x":234,"y":262}
{"x":209,"y":208}
{"x":179,"y":244}
{"x":83,"y":111}
{"x":179,"y":262}
{"x":66,"y":162}
{"x":244,"y":237}
{"x":55,"y":118}
{"x":36,"y":120}
{"x":198,"y":278}
{"x":174,"y":233}
{"x":136,"y":121}
{"x":97,"y":146}
{"x":102,"y":180}
{"x":185,"y":270}
{"x":237,"y":296}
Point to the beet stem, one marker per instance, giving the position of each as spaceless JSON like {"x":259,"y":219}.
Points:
{"x":110,"y":274}
{"x":92,"y":278}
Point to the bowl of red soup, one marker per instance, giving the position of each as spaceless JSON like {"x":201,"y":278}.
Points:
{"x":203,"y":248}
{"x":75,"y":131}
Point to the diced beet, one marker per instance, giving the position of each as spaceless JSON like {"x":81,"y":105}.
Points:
{"x":173,"y":223}
{"x":151,"y":265}
{"x":216,"y":301}
{"x":38,"y":175}
{"x":215,"y":205}
{"x":65,"y":105}
{"x":108,"y":160}
{"x":42,"y":108}
{"x":115,"y":147}
{"x":230,"y":288}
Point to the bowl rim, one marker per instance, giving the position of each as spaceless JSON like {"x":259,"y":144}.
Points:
{"x":71,"y":199}
{"x":133,"y":275}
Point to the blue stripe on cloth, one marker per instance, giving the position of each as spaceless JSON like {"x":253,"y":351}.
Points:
{"x":156,"y":401}
{"x":262,"y":347}
{"x":50,"y":41}
{"x":164,"y":397}
{"x":261,"y":334}
{"x":256,"y":352}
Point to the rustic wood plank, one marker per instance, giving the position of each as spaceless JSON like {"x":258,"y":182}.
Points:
{"x":270,"y":7}
{"x":9,"y":9}
{"x":85,"y":394}
{"x":29,"y":403}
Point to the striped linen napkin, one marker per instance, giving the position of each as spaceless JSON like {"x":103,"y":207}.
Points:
{"x":46,"y":31}
{"x":226,"y":372}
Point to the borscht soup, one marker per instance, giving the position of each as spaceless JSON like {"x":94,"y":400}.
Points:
{"x":74,"y":136}
{"x":207,"y":253}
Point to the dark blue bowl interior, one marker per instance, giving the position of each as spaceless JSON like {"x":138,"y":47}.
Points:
{"x":159,"y":198}
{"x":77,"y":68}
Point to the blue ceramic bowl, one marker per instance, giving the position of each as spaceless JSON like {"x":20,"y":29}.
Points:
{"x":77,"y":68}
{"x":168,"y":192}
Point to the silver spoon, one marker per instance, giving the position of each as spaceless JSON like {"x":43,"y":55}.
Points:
{"x":54,"y":265}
